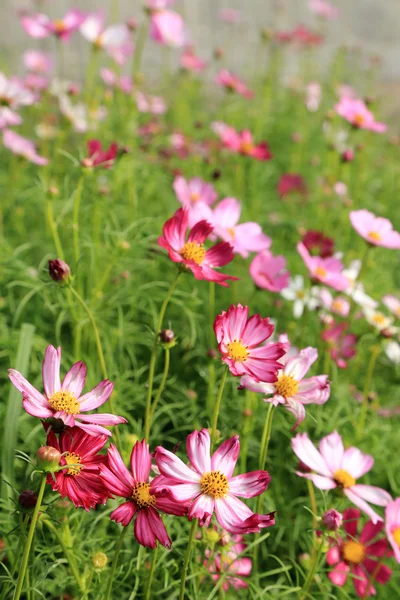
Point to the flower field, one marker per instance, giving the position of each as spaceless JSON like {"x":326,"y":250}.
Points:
{"x":199,"y":316}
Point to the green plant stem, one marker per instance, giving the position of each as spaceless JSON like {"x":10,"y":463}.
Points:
{"x":217,"y":406}
{"x":53,"y":228}
{"x":314,"y":509}
{"x":162,"y":384}
{"x":140,"y":44}
{"x":115,"y":563}
{"x":25,"y":556}
{"x":152,"y":365}
{"x":211,"y":341}
{"x":75,"y":218}
{"x":68,"y":553}
{"x":152,"y":569}
{"x":313,"y":570}
{"x":192,"y":538}
{"x":368,"y":380}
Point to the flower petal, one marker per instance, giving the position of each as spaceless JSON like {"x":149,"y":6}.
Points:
{"x":203,"y":509}
{"x":198,"y":450}
{"x":143,"y":530}
{"x":338,"y":575}
{"x":364,"y":506}
{"x":225,"y":457}
{"x":141,"y":461}
{"x":331,"y":448}
{"x":372,"y":494}
{"x":356,"y":462}
{"x":250,"y":484}
{"x":309,"y":455}
{"x":172,"y":466}
{"x":26,"y":388}
{"x":51,"y":370}
{"x":124,"y":513}
{"x":97,"y":396}
{"x":74,"y":380}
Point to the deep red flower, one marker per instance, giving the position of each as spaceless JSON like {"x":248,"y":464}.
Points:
{"x":342,"y":345}
{"x":99,"y":157}
{"x":318,"y":244}
{"x":291,"y":182}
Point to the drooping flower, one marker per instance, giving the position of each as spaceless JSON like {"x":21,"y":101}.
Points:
{"x":97,"y":157}
{"x":109,"y":38}
{"x":41,"y":26}
{"x":323,"y":9}
{"x":191,"y":253}
{"x":377,"y":231}
{"x":326,"y":270}
{"x":144,"y":500}
{"x":233,"y":83}
{"x":335,"y":467}
{"x":359,"y":554}
{"x":38,"y":61}
{"x":269,"y":272}
{"x":290,"y":388}
{"x":244,"y":237}
{"x":13,"y":95}
{"x":291,"y":183}
{"x":209,"y":485}
{"x":357,"y":114}
{"x":318,"y":244}
{"x":79,"y":481}
{"x":23,"y":147}
{"x":392,"y":519}
{"x":342,"y":345}
{"x":241,"y":142}
{"x":239,"y":341}
{"x":191,"y":62}
{"x":63,"y":401}
{"x":225,"y":560}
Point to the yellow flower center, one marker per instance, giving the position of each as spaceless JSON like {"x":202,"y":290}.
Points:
{"x":59,"y":26}
{"x":232,"y":233}
{"x":379,"y":319}
{"x":66,"y":401}
{"x":337,"y":304}
{"x":359,"y":119}
{"x":195,"y":197}
{"x":141,"y":495}
{"x":237,"y":351}
{"x":343,"y":478}
{"x":214,"y":484}
{"x":246,"y":147}
{"x":286,"y":386}
{"x":374,"y":235}
{"x":321,"y":272}
{"x":353,"y":552}
{"x":300,"y":294}
{"x":193,"y":251}
{"x":73,"y":459}
{"x":396,"y":535}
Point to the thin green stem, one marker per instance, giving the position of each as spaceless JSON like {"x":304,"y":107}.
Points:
{"x":313,"y":570}
{"x":140,"y":43}
{"x":376,"y":350}
{"x":152,"y":569}
{"x":153,"y":357}
{"x":192,"y":539}
{"x":68,"y":555}
{"x":115,"y":563}
{"x":217,"y":406}
{"x":75,"y":218}
{"x":314,"y":509}
{"x":25,"y":556}
{"x":162,"y":384}
{"x":53,"y":228}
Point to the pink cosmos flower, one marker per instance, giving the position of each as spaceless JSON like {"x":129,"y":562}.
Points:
{"x":326,"y":270}
{"x":393,"y":304}
{"x":301,"y":36}
{"x":291,"y":183}
{"x":269,"y":272}
{"x":244,"y":237}
{"x":355,"y":112}
{"x":339,"y":305}
{"x":324,"y":9}
{"x":38,"y":62}
{"x":144,"y":500}
{"x":191,"y":252}
{"x":41,"y":26}
{"x":357,"y":555}
{"x":191,"y":62}
{"x":291,"y":389}
{"x":392,"y":518}
{"x":239,"y":338}
{"x":80,"y":482}
{"x":150,"y":104}
{"x":23,"y":147}
{"x":343,"y":346}
{"x":196,"y":195}
{"x":109,"y":38}
{"x":229,"y":15}
{"x":99,"y":157}
{"x":226,"y":560}
{"x":13,"y":94}
{"x":241,"y":142}
{"x":112,"y":80}
{"x":377,"y":231}
{"x":63,"y":401}
{"x":233,"y":83}
{"x":313,"y":96}
{"x":167,"y":28}
{"x":336,"y":467}
{"x":208,"y":484}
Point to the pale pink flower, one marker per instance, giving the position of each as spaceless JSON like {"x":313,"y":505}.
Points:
{"x":355,"y":112}
{"x":324,"y":9}
{"x":13,"y":95}
{"x":196,"y":195}
{"x":377,"y":231}
{"x":111,"y":38}
{"x":229,"y":15}
{"x":225,"y":561}
{"x":209,"y":485}
{"x":63,"y":401}
{"x":38,"y":62}
{"x":239,"y":342}
{"x":336,"y":467}
{"x":326,"y":270}
{"x":339,"y":305}
{"x":150,"y":104}
{"x":23,"y":147}
{"x":392,"y":518}
{"x":191,"y":62}
{"x":269,"y":272}
{"x":313,"y":96}
{"x":244,"y":237}
{"x":393,"y":304}
{"x":167,"y":28}
{"x":233,"y":83}
{"x":291,"y":389}
{"x":120,"y":82}
{"x":41,"y":26}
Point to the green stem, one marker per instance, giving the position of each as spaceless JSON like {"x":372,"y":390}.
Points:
{"x":114,"y":564}
{"x":25,"y":557}
{"x":368,"y":380}
{"x":140,"y":43}
{"x":68,"y":555}
{"x":312,"y":571}
{"x":192,"y":538}
{"x":148,"y":414}
{"x":214,"y":422}
{"x":162,"y":384}
{"x":152,"y":569}
{"x":75,"y":218}
{"x":53,"y":228}
{"x":314,"y":509}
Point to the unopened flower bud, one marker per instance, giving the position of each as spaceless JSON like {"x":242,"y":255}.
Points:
{"x":211,"y":536}
{"x":304,"y":560}
{"x":59,"y":270}
{"x":247,"y":412}
{"x":332,"y":520}
{"x":27,"y":499}
{"x":99,"y":560}
{"x":212,"y":353}
{"x":132,"y":24}
{"x":191,"y":394}
{"x":218,"y":53}
{"x":167,"y":338}
{"x":216,"y":174}
{"x":347,"y":156}
{"x":48,"y":458}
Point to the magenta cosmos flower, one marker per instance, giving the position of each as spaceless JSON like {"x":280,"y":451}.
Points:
{"x":154,"y":105}
{"x":342,"y":345}
{"x":269,"y":272}
{"x":326,"y":270}
{"x":63,"y":400}
{"x":375,"y":230}
{"x":241,"y":142}
{"x":41,"y":26}
{"x":244,"y":237}
{"x":144,"y":500}
{"x":191,"y":62}
{"x":13,"y":95}
{"x":357,"y":555}
{"x":291,"y":183}
{"x":79,"y":480}
{"x":392,"y":519}
{"x":166,"y":26}
{"x":239,"y":341}
{"x":196,"y":195}
{"x":291,"y":389}
{"x":191,"y":252}
{"x":232,"y":83}
{"x":97,"y":157}
{"x":108,"y":38}
{"x":208,"y":484}
{"x":226,"y":560}
{"x":23,"y":147}
{"x":336,"y":467}
{"x":356,"y":113}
